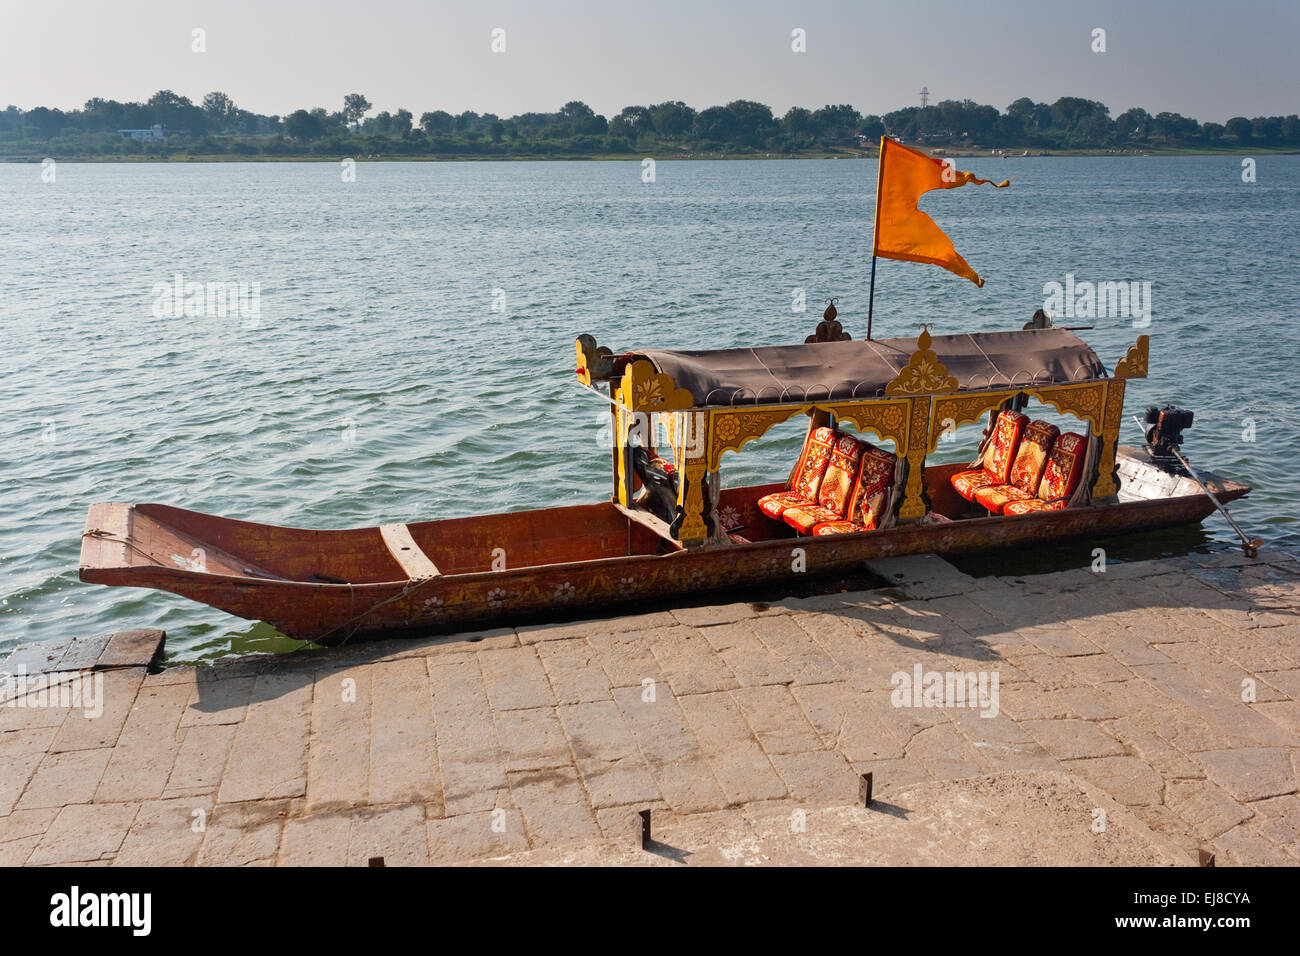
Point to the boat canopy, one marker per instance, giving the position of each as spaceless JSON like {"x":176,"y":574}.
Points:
{"x":910,"y":392}
{"x":849,"y":370}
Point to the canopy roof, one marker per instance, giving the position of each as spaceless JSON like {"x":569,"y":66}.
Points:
{"x":860,"y":370}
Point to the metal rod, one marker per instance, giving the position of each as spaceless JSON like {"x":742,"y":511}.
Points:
{"x":875,"y":231}
{"x":1249,"y":546}
{"x":871,"y":299}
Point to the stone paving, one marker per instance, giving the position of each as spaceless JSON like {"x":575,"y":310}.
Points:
{"x":1141,"y":714}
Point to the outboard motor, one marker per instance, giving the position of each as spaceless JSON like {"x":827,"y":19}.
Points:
{"x":1165,"y":434}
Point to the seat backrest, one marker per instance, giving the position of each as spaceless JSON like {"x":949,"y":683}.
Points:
{"x":841,"y":473}
{"x":1001,"y":450}
{"x":871,"y":490}
{"x":1064,"y":466}
{"x":806,"y":479}
{"x":1031,"y":457}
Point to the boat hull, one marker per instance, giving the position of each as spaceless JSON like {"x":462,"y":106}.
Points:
{"x":331,"y":613}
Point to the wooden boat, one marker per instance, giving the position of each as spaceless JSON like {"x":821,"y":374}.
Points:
{"x":331,"y":586}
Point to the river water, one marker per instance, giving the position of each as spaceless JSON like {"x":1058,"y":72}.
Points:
{"x":405,"y":344}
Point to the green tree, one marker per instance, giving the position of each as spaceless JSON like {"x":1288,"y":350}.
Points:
{"x":1022,"y":109}
{"x":835,"y":124}
{"x":673,"y":119}
{"x":218,"y":108}
{"x":439,"y":121}
{"x":174,"y":111}
{"x":1175,"y":128}
{"x":579,"y":118}
{"x":752,"y":123}
{"x":303,"y":125}
{"x":355,"y":106}
{"x":632,"y":123}
{"x":43,"y":122}
{"x":1133,"y":125}
{"x":1266,"y":130}
{"x":872,"y":128}
{"x":797,"y":124}
{"x":901,"y":124}
{"x":11,"y":120}
{"x":715,"y":124}
{"x":1239,"y":129}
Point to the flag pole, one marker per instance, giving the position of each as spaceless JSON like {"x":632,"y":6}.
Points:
{"x":871,"y":299}
{"x":875,"y":233}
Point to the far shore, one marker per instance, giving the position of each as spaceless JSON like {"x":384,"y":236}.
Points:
{"x":953,"y":152}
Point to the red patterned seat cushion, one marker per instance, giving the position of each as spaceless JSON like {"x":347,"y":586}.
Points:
{"x":1001,"y":450}
{"x":996,"y":497}
{"x":838,"y":484}
{"x":852,"y":487}
{"x":1030,"y":505}
{"x":806,"y":479}
{"x":803,"y":517}
{"x":998,"y":456}
{"x":1064,"y":466}
{"x":871,"y":492}
{"x":813,"y":461}
{"x":968,"y":483}
{"x":776,"y":505}
{"x":837,"y":527}
{"x":841,"y":473}
{"x":1031,"y":457}
{"x":1026,"y":469}
{"x":866,"y":505}
{"x":1060,"y":477}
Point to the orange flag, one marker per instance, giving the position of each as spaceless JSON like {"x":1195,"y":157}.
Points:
{"x":902,"y":230}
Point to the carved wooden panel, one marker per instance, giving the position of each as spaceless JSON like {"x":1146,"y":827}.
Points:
{"x":888,"y":419}
{"x":914,"y":501}
{"x":1137,"y":361}
{"x":1082,"y":401}
{"x":645,"y":390}
{"x":594,"y":361}
{"x":691,"y":497}
{"x":730,"y":428}
{"x":1105,"y":485}
{"x":962,"y":409}
{"x":924,"y":373}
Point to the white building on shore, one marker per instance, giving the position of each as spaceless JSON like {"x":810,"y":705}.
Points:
{"x":153,"y":134}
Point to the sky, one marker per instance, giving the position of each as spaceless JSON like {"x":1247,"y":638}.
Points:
{"x":1207,"y":60}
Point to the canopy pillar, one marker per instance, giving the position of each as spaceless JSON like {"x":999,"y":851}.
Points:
{"x":1134,"y":365}
{"x":923,"y":375}
{"x":914,"y":504}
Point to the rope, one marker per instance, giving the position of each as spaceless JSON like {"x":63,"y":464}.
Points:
{"x":112,"y":536}
{"x":413,"y":585}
